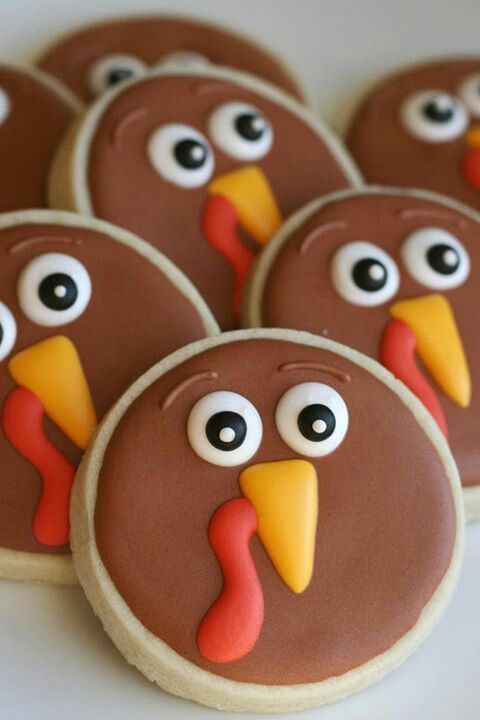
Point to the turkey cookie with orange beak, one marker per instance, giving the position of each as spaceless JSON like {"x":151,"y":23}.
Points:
{"x":35,"y":111}
{"x":267,"y":521}
{"x":202,"y":164}
{"x":421,"y":128}
{"x":93,"y":59}
{"x":393,"y":274}
{"x":84,"y":308}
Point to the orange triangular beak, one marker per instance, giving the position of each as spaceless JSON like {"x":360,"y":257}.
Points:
{"x":52,"y":370}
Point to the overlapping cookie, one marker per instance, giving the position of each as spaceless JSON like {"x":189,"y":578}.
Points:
{"x":84,"y":309}
{"x":267,"y":521}
{"x":35,"y":110}
{"x":421,"y":128}
{"x":95,"y":58}
{"x":203,"y":164}
{"x":393,"y":274}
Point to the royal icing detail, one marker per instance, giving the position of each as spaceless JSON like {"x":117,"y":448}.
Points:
{"x":364,"y":274}
{"x":224,"y":428}
{"x":4,"y":106}
{"x":109,"y":70}
{"x":52,"y":370}
{"x":312,"y":419}
{"x":231,"y":627}
{"x":181,"y":155}
{"x":435,"y":258}
{"x":8,"y":331}
{"x":22,"y":422}
{"x":54,"y":289}
{"x":241,"y":131}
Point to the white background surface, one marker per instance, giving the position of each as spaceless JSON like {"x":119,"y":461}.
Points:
{"x":55,"y":661}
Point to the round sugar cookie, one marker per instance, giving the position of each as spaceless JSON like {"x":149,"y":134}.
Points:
{"x":97,"y":57}
{"x":203,"y":164}
{"x":420,"y":128}
{"x":84,"y":309}
{"x":267,"y":521}
{"x":392,"y":273}
{"x":35,"y":110}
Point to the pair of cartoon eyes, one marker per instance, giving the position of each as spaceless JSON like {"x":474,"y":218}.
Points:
{"x":224,"y":428}
{"x":109,"y":70}
{"x":52,"y":289}
{"x":364,"y":274}
{"x":183,"y":156}
{"x":436,"y":116}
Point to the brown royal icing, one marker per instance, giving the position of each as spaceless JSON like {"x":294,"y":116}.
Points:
{"x":120,"y":334}
{"x":33,"y":118}
{"x":388,"y":153}
{"x":299,"y":292}
{"x":386,"y":519}
{"x":126,"y":189}
{"x":153,"y":39}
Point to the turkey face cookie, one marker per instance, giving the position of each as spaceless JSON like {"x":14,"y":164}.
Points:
{"x":84,"y":308}
{"x":392,"y":274}
{"x":201,"y":164}
{"x":35,"y":110}
{"x":420,"y":128}
{"x":95,"y":58}
{"x":266,"y":545}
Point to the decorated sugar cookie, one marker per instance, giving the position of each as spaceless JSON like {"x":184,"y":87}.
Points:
{"x":393,"y":274}
{"x":266,"y":544}
{"x":421,"y":128}
{"x":35,"y":110}
{"x":203,"y":164}
{"x":84,"y":309}
{"x":94,"y":58}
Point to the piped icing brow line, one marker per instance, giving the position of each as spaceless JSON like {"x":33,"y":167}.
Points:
{"x":173,"y":394}
{"x":320,"y":367}
{"x":20,"y":245}
{"x":125,"y":121}
{"x":317,"y":232}
{"x":408,"y":213}
{"x":211,"y":87}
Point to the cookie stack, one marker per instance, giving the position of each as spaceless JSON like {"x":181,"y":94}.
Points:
{"x":269,"y":518}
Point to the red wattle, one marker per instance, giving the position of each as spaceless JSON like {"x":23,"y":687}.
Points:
{"x":397,"y":354}
{"x":219,"y":226}
{"x":231,"y":627}
{"x":22,"y":420}
{"x":471,"y":167}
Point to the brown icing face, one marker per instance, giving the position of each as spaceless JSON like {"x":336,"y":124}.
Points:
{"x":74,"y":332}
{"x":347,"y":559}
{"x":421,"y":128}
{"x":204,"y":168}
{"x":97,"y":57}
{"x":33,"y":118}
{"x":393,"y":276}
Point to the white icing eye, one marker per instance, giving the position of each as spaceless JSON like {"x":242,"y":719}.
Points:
{"x":363,"y":274}
{"x":434,"y":116}
{"x":109,"y":70}
{"x":312,"y":419}
{"x":54,"y":289}
{"x":183,"y":60}
{"x":469,"y":91}
{"x":435,"y":258}
{"x":241,"y":131}
{"x":224,"y":428}
{"x":4,"y":106}
{"x":181,"y":155}
{"x":8,"y":331}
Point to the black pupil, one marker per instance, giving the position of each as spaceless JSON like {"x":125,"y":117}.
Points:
{"x":444,"y":259}
{"x":316,"y":422}
{"x":370,"y":275}
{"x":190,"y":154}
{"x":58,"y":291}
{"x":1,"y":334}
{"x":439,"y":111}
{"x":250,"y":126}
{"x":226,"y":430}
{"x":118,"y":75}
